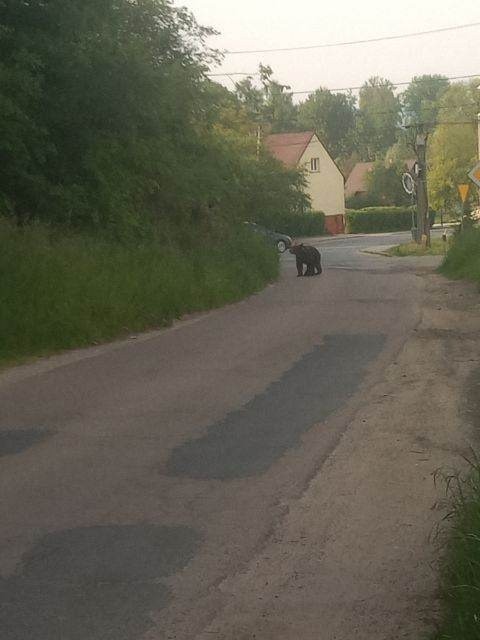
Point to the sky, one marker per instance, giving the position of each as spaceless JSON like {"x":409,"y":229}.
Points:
{"x":257,"y":24}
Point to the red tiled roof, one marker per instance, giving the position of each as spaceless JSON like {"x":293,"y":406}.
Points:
{"x":288,"y":147}
{"x":357,"y":180}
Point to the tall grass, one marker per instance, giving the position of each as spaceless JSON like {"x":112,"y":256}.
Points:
{"x":463,"y":258}
{"x":461,"y":573}
{"x":59,"y":293}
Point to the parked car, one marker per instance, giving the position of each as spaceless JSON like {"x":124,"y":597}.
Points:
{"x":280,"y":240}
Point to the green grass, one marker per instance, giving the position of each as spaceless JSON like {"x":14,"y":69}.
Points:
{"x":463,"y":259}
{"x":461,"y":572}
{"x":437,"y":248}
{"x":460,"y":591}
{"x":58,"y":294}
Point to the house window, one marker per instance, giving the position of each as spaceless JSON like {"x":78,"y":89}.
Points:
{"x":315,"y":165}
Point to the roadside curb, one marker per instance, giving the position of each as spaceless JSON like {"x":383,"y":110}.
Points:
{"x":374,"y":252}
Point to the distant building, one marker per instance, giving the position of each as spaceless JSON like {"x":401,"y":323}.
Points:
{"x":357,"y":184}
{"x":324,"y":179}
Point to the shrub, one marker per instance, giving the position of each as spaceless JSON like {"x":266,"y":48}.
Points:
{"x":361,"y":201}
{"x":379,"y":219}
{"x":295,"y":224}
{"x":463,"y":259}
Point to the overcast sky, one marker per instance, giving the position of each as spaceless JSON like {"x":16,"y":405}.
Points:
{"x":257,"y":24}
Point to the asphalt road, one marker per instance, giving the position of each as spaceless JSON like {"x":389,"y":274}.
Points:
{"x":136,"y":477}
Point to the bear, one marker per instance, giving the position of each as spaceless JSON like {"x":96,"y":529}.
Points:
{"x":309,"y":256}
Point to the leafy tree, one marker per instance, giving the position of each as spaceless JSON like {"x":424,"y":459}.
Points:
{"x":270,"y":105}
{"x":421,"y":100}
{"x":333,"y":117}
{"x":252,"y":98}
{"x":379,"y":116}
{"x":385,"y":185}
{"x":453,"y":146}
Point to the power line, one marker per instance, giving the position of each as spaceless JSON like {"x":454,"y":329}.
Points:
{"x":235,"y":73}
{"x":394,"y":84}
{"x":355,"y":42}
{"x":297,"y":93}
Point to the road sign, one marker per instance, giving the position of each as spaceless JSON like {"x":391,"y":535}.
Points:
{"x":408,"y":183}
{"x":474,"y":175}
{"x":463,"y":190}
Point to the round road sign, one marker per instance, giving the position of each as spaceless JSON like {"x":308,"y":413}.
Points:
{"x":408,"y":183}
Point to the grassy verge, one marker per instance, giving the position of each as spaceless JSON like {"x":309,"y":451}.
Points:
{"x":437,"y":248}
{"x":461,"y":572}
{"x":463,"y":259}
{"x":62,"y":293}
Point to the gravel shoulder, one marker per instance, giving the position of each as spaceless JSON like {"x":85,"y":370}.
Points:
{"x":357,"y":555}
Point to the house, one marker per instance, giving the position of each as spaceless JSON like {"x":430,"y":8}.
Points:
{"x":325,"y":182}
{"x":356,"y":184}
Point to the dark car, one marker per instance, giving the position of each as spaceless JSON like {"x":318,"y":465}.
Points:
{"x":280,"y":240}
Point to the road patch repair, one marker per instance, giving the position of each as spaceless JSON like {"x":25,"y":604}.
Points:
{"x":95,"y":583}
{"x":15,"y":441}
{"x":247,"y":442}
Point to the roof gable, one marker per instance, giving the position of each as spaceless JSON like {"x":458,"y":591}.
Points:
{"x":357,"y":180}
{"x":289,"y":147}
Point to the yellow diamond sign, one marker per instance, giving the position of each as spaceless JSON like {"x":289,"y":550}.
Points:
{"x":463,"y":189}
{"x":474,"y":175}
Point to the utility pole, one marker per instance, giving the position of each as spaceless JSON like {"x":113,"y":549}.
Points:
{"x":422,"y":192}
{"x":478,"y":135}
{"x":259,"y":140}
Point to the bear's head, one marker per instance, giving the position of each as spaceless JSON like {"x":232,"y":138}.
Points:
{"x":296,"y":248}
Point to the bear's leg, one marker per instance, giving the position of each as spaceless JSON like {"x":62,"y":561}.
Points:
{"x":318,"y":265}
{"x":310,"y":270}
{"x":299,"y":268}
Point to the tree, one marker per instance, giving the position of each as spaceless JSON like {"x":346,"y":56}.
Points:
{"x":270,"y":105}
{"x":379,"y":116}
{"x":453,"y":146}
{"x":385,"y":184}
{"x":421,"y":100}
{"x":333,"y":117}
{"x":101,"y":100}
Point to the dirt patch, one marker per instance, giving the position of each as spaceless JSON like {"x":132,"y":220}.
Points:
{"x":355,"y":557}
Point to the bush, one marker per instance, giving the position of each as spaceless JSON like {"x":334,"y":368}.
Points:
{"x":59,"y":293}
{"x":463,"y":259}
{"x":295,"y":224}
{"x":379,"y":219}
{"x":361,"y":201}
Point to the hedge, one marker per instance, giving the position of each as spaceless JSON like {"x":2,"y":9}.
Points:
{"x":296,"y":224}
{"x":380,"y":219}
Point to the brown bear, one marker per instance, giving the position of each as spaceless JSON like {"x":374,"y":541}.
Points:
{"x":309,"y":256}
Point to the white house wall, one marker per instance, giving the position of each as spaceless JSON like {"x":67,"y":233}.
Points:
{"x":326,"y":187}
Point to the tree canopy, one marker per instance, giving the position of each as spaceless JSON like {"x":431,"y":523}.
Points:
{"x":379,"y":116}
{"x":107,"y":117}
{"x":333,"y":117}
